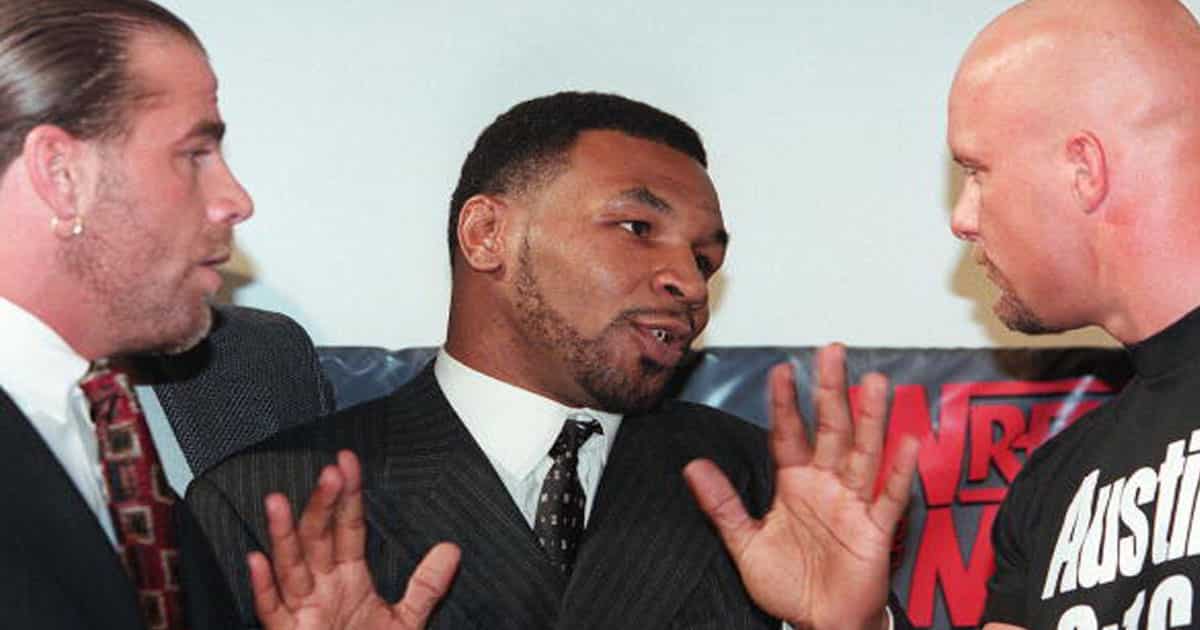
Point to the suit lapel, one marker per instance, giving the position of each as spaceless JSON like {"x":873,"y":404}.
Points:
{"x":436,"y":484}
{"x":646,"y":543}
{"x":56,"y":528}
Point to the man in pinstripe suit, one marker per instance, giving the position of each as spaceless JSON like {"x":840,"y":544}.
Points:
{"x":583,"y":233}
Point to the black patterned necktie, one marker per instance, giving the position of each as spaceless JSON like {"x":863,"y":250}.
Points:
{"x":559,"y":521}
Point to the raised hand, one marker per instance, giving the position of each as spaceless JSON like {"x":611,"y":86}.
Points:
{"x":819,"y":557}
{"x":317,"y":576}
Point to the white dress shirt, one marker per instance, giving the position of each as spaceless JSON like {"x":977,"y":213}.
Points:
{"x":170,"y":452}
{"x":41,"y":373}
{"x":516,"y":428}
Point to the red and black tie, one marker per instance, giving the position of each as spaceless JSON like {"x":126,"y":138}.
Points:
{"x":139,"y":498}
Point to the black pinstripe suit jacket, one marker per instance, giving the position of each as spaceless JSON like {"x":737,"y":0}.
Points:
{"x":649,"y":559}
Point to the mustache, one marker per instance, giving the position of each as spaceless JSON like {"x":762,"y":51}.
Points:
{"x":219,"y":242}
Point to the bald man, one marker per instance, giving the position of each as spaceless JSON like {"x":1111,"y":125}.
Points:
{"x":1077,"y":124}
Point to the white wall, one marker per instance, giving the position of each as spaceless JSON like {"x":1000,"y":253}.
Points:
{"x":824,"y":121}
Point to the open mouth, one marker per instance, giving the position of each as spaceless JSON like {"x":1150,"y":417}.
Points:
{"x":663,"y":341}
{"x":662,"y":335}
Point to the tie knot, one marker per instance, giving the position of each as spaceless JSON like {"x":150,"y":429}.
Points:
{"x":107,"y":390}
{"x":574,"y":433}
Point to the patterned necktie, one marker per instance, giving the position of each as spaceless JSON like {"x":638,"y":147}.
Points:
{"x":139,"y":498}
{"x":559,"y":522}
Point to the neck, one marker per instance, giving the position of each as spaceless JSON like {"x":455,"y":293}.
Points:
{"x":1152,"y":287}
{"x":484,"y":339}
{"x":62,"y":317}
{"x":1148,"y":310}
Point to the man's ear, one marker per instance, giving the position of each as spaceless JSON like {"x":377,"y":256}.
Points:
{"x":1085,"y":154}
{"x":50,"y":158}
{"x":481,"y":224}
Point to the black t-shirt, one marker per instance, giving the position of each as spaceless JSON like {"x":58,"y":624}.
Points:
{"x":1101,"y":529}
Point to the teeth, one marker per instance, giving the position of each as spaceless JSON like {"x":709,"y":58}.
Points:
{"x":661,"y":335}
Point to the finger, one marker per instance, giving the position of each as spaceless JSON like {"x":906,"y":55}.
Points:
{"x":789,"y":446}
{"x":291,"y":573}
{"x":834,"y":428}
{"x":428,"y":584}
{"x":267,"y":605}
{"x":316,"y":522}
{"x":350,"y":532}
{"x":890,"y":504}
{"x":869,"y":431}
{"x":721,"y":503}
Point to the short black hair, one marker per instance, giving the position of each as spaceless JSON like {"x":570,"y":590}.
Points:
{"x":528,"y":144}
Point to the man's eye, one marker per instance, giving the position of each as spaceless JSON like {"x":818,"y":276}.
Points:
{"x":199,"y":154}
{"x":638,"y":228}
{"x":705,"y":265}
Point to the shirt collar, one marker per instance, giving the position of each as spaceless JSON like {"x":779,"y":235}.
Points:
{"x":1172,"y":347}
{"x":38,"y":370}
{"x":515,"y":427}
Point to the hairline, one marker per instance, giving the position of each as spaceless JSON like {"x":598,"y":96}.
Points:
{"x":141,"y":95}
{"x":558,"y":162}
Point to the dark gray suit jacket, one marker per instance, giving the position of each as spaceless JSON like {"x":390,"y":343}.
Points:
{"x":649,"y":558}
{"x":255,"y":375}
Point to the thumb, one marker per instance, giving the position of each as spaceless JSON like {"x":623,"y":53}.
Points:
{"x":721,"y":503}
{"x":428,"y":585}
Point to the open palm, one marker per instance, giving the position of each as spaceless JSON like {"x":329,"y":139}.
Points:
{"x":819,"y":557}
{"x":317,"y":577}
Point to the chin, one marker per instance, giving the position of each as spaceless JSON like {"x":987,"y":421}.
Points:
{"x":188,"y":334}
{"x":630,"y":390}
{"x":1018,"y":317}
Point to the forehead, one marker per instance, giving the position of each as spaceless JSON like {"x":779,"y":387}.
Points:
{"x":610,"y":162}
{"x":979,"y":109}
{"x":1000,"y":82}
{"x":962,"y":115}
{"x":172,"y":75}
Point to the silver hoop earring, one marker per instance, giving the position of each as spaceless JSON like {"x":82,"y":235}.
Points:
{"x":67,"y":230}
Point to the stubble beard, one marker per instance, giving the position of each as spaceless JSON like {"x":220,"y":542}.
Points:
{"x":1013,"y":312}
{"x":1015,"y":315}
{"x":114,"y":259}
{"x":589,"y":361}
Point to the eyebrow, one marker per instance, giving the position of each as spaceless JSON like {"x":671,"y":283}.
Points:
{"x":211,"y":129}
{"x":642,"y":195}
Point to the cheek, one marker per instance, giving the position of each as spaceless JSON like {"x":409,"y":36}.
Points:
{"x":1007,"y":217}
{"x":590,"y":267}
{"x":179,"y":238}
{"x":589,"y":291}
{"x":701,"y":322}
{"x":608,"y":279}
